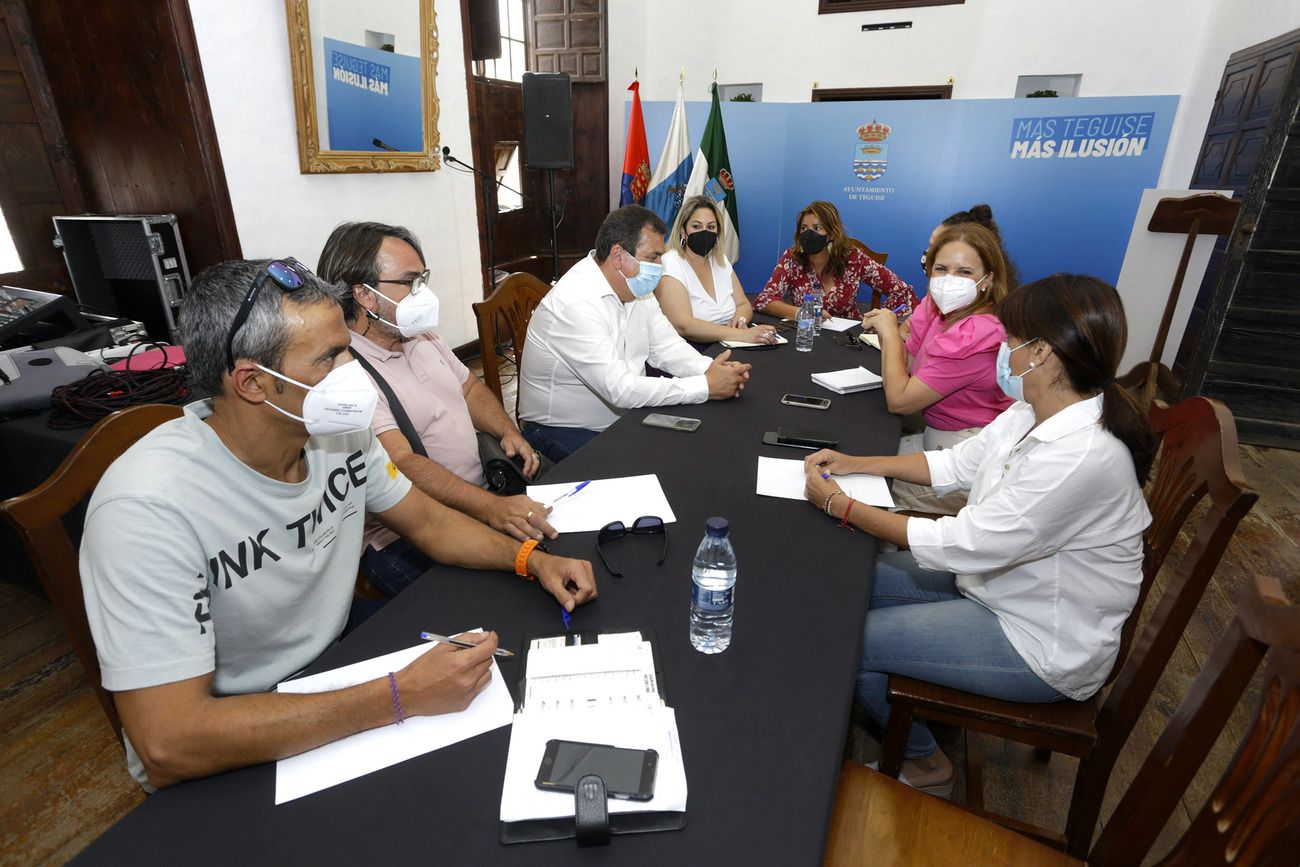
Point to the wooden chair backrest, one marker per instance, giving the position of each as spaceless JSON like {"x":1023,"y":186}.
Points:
{"x":879,"y":259}
{"x":513,"y":300}
{"x":38,"y":517}
{"x":1197,"y":459}
{"x":1253,"y":815}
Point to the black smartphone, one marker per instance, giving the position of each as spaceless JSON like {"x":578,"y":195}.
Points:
{"x":671,"y":422}
{"x":628,"y":774}
{"x":797,"y":436}
{"x":770,"y":439}
{"x":806,"y":401}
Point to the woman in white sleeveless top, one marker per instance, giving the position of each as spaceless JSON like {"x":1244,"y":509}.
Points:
{"x":700,"y":293}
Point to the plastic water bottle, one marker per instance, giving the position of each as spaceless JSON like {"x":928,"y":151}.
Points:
{"x":807,"y":324}
{"x":818,"y":297}
{"x":713,"y":599}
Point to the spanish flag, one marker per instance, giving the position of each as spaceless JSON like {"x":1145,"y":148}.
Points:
{"x":636,"y":159}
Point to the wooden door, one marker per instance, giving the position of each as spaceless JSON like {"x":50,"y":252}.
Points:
{"x":1246,"y":349}
{"x":1252,"y":84}
{"x":37,"y":181}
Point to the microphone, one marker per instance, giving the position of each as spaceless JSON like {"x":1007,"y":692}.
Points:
{"x":380,"y":143}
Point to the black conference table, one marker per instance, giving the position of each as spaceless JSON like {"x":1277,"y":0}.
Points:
{"x":762,"y":725}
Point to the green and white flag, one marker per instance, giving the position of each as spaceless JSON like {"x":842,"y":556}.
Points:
{"x":711,"y":175}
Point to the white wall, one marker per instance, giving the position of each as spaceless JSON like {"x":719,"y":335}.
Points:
{"x":1121,"y":47}
{"x":244,"y":48}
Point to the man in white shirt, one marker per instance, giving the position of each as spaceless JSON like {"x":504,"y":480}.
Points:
{"x":590,"y":338}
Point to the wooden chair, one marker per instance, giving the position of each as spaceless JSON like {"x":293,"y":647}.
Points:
{"x":879,"y":259}
{"x":1251,"y":818}
{"x":1198,"y":458}
{"x":513,"y":300}
{"x":38,"y":517}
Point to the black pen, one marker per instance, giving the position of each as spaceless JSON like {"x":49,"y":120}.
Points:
{"x":459,"y":642}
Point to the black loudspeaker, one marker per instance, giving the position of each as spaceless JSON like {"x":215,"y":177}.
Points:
{"x":484,"y":30}
{"x":548,"y":121}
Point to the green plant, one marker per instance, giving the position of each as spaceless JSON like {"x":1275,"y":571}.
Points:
{"x":1041,"y":93}
{"x":388,"y":46}
{"x":743,"y":97}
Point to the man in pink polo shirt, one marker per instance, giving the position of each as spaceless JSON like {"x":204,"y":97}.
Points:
{"x":391,"y":311}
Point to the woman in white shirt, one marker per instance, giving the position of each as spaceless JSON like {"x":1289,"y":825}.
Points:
{"x":1021,"y":596}
{"x":700,"y":293}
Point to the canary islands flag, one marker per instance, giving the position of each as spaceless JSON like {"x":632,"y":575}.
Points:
{"x":636,"y":158}
{"x":712,"y":176}
{"x":668,"y":186}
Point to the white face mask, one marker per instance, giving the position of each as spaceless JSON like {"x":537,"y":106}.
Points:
{"x":416,"y":313}
{"x":951,"y":292}
{"x":343,"y":402}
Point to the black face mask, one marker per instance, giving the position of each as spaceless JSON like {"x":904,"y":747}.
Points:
{"x":702,"y":242}
{"x":812,"y":242}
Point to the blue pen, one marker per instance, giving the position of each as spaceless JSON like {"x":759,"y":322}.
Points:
{"x":900,"y":308}
{"x":580,"y":486}
{"x":565,"y":615}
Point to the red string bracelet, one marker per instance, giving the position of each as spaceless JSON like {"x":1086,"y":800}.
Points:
{"x":844,"y":522}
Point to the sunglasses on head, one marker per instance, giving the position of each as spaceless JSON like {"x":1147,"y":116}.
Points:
{"x":288,"y":274}
{"x":617,"y":530}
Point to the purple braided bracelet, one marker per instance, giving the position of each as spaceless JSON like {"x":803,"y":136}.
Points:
{"x":397,"y":701}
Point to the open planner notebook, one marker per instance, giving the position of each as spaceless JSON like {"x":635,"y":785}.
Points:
{"x":598,"y":688}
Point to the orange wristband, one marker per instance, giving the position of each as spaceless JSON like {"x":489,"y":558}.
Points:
{"x":521,"y":560}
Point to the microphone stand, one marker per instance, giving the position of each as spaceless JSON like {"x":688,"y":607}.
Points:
{"x":489,"y":210}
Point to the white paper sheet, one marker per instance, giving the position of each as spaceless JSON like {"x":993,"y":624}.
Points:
{"x":369,"y":751}
{"x":870,"y":338}
{"x":604,"y":500}
{"x":778,"y":477}
{"x":643,"y":728}
{"x":839,"y":323}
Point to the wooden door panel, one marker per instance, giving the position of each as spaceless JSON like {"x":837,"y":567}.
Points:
{"x":1269,"y":281}
{"x":1279,"y":225}
{"x":1213,"y":163}
{"x":1233,"y":93}
{"x":1267,"y":337}
{"x":1272,"y":78}
{"x":1245,"y":153}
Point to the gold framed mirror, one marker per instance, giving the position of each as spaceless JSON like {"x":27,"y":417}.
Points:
{"x":363,"y":85}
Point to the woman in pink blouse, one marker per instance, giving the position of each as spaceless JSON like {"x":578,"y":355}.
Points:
{"x":822,"y":253}
{"x":945,"y":369}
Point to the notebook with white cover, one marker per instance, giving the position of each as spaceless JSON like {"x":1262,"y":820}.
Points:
{"x":848,"y":380}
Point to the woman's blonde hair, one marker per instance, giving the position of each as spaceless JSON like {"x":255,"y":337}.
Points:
{"x":684,"y":214}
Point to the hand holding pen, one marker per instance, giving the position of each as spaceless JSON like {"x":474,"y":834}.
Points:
{"x":883,"y":322}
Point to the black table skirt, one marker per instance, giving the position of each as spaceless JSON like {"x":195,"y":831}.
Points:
{"x":762,"y":725}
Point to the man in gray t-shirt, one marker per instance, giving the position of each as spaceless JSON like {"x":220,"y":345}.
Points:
{"x":220,"y":551}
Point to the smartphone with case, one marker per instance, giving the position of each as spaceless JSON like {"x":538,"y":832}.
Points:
{"x":628,"y":774}
{"x":813,"y":439}
{"x":797,"y":438}
{"x":806,"y":401}
{"x":671,"y":422}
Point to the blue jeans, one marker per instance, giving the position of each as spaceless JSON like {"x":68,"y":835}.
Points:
{"x":557,"y":443}
{"x":919,"y":625}
{"x":392,"y":568}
